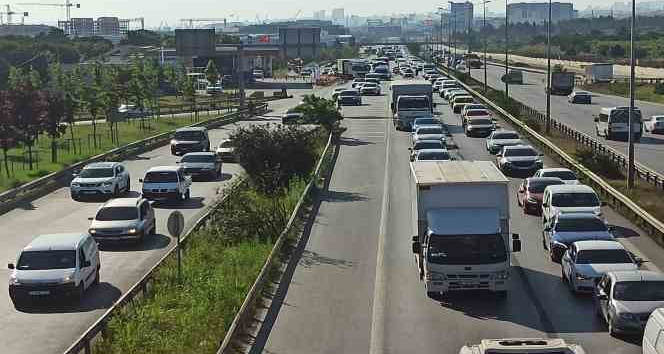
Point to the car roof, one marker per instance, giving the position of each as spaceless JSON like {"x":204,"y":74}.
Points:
{"x":200,"y":153}
{"x":567,"y":188}
{"x":100,"y":165}
{"x":65,"y":241}
{"x":122,"y":202}
{"x":191,"y":129}
{"x":636,"y":275}
{"x":598,"y":245}
{"x":164,"y":169}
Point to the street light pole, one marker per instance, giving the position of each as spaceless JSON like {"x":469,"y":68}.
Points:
{"x":485,"y":42}
{"x":547,"y":128}
{"x":630,"y":149}
{"x":507,"y":59}
{"x":440,"y":48}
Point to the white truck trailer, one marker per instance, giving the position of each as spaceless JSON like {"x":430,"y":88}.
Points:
{"x":410,"y":99}
{"x":462,"y":218}
{"x":599,"y":72}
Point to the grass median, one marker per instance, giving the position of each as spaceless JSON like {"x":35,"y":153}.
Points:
{"x":82,"y":147}
{"x":643,"y":91}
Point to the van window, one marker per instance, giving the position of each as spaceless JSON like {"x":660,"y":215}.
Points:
{"x":603,"y":117}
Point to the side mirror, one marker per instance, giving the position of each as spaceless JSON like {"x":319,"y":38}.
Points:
{"x":140,"y":180}
{"x":91,"y":218}
{"x":410,"y":149}
{"x":11,"y":266}
{"x":417,"y":247}
{"x":86,"y":264}
{"x":516,"y":245}
{"x":596,"y":119}
{"x":412,"y":158}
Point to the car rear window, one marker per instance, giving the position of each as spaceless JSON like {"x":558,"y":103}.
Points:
{"x":421,"y":131}
{"x":161,"y":177}
{"x":639,"y":290}
{"x":481,"y":122}
{"x":437,"y":155}
{"x":564,"y":175}
{"x":477,"y":112}
{"x":117,"y":213}
{"x":504,"y":136}
{"x":199,"y":158}
{"x":189,"y":135}
{"x":525,"y":151}
{"x":428,"y":145}
{"x":580,"y":225}
{"x":540,"y":186}
{"x":572,"y":200}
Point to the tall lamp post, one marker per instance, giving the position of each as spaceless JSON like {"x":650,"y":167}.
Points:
{"x":630,"y":149}
{"x":547,"y":124}
{"x":441,"y":48}
{"x":507,"y":61}
{"x":485,"y":41}
{"x":454,"y":16}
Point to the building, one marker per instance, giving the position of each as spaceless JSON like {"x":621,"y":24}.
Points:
{"x":83,"y":27}
{"x":338,"y":15}
{"x":300,"y":41}
{"x":24,"y":30}
{"x":538,"y":13}
{"x":384,"y":31}
{"x":462,"y":16}
{"x":319,"y":15}
{"x":108,"y":26}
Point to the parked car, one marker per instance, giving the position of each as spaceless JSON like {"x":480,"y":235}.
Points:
{"x":429,"y":132}
{"x":166,"y":183}
{"x":522,"y":159}
{"x":479,"y":126}
{"x":580,"y":97}
{"x":564,"y":229}
{"x":565,"y":174}
{"x":654,"y":125}
{"x":433,"y":155}
{"x":370,"y":88}
{"x":500,"y":138}
{"x":530,"y":193}
{"x":100,"y":179}
{"x":201,"y":164}
{"x":226,"y":150}
{"x":123,"y":219}
{"x":585,"y":262}
{"x":350,"y":98}
{"x":570,"y":199}
{"x":54,"y":266}
{"x":425,"y":145}
{"x":131,"y":111}
{"x":190,"y":139}
{"x":626,"y":299}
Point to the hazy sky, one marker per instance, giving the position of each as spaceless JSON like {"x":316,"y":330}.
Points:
{"x":171,"y":11}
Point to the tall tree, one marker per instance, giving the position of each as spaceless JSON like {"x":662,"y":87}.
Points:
{"x":211,"y":73}
{"x":189,"y":93}
{"x":110,"y":99}
{"x":90,"y":95}
{"x":30,"y":108}
{"x":151,"y":77}
{"x":136,"y":87}
{"x":7,"y":127}
{"x":53,"y":125}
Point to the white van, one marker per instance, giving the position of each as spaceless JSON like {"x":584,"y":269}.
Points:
{"x":613,"y":123}
{"x":53,"y":266}
{"x":653,"y":335}
{"x":564,"y":198}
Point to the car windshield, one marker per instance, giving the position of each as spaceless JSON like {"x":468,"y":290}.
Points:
{"x":97,"y":173}
{"x":426,"y":121}
{"x":414,"y":103}
{"x":505,"y":136}
{"x":564,"y":175}
{"x":433,"y":156}
{"x":466,"y":249}
{"x":189,"y":135}
{"x":639,"y":291}
{"x":475,"y":106}
{"x":199,"y":158}
{"x":520,"y":152}
{"x":428,"y":145}
{"x":42,"y":260}
{"x":580,"y":225}
{"x":574,"y":200}
{"x":603,"y":257}
{"x":481,"y":122}
{"x":463,"y":100}
{"x":622,"y":115}
{"x":161,"y":177}
{"x":539,"y":186}
{"x":421,"y":131}
{"x":381,"y":70}
{"x":117,"y":213}
{"x":348,"y":93}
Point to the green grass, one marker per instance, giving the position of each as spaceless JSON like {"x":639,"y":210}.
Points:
{"x":128,"y":132}
{"x":643,"y":92}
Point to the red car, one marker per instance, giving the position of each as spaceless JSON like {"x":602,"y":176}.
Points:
{"x":530,"y":192}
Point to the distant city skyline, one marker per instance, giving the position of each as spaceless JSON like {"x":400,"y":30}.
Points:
{"x":155,"y":13}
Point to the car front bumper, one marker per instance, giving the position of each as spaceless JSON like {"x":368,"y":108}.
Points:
{"x":160,"y":195}
{"x":91,"y":191}
{"x":459,"y":285}
{"x":41,"y":291}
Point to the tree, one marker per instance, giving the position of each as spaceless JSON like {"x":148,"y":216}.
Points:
{"x":30,"y":108}
{"x":151,"y":75}
{"x":8,"y":132}
{"x":136,"y":89}
{"x":55,"y":113}
{"x":189,"y":93}
{"x":616,"y":51}
{"x":319,"y":110}
{"x":110,"y":99}
{"x":15,"y":78}
{"x":91,"y":96}
{"x":211,"y":73}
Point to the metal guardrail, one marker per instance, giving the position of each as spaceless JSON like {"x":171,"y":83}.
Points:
{"x":245,"y":313}
{"x":30,"y":189}
{"x":652,"y":225}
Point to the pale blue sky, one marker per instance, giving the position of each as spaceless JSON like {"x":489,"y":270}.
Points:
{"x":155,"y":11}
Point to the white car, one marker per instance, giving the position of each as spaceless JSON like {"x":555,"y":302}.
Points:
{"x":433,"y":155}
{"x":565,"y":198}
{"x":585,"y":261}
{"x":226,"y":150}
{"x":163,"y":183}
{"x":500,"y":138}
{"x":123,"y":219}
{"x":429,"y":132}
{"x":567,"y":175}
{"x":100,"y":179}
{"x":523,"y":346}
{"x":654,"y":125}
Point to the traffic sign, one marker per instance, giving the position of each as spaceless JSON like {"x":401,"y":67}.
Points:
{"x":175,"y":223}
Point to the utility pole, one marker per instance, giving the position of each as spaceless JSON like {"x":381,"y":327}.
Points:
{"x":547,"y":125}
{"x":441,"y":48}
{"x":630,"y":149}
{"x":453,"y":18}
{"x":485,"y":43}
{"x":469,"y":40}
{"x":240,"y":67}
{"x":507,"y":59}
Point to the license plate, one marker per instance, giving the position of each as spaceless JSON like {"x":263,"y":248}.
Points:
{"x":89,"y":192}
{"x":39,"y":292}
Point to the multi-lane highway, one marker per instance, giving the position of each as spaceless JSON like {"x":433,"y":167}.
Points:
{"x":356,"y":287}
{"x":649,"y":150}
{"x":52,"y":328}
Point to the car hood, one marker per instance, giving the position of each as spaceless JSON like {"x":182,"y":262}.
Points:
{"x":175,"y":141}
{"x":91,"y":180}
{"x":113,"y":224}
{"x":506,"y":142}
{"x":637,"y":306}
{"x":429,"y":137}
{"x":197,"y":164}
{"x":595,"y":270}
{"x":569,"y":237}
{"x":42,"y":276}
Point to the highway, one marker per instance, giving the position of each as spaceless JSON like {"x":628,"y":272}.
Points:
{"x":356,"y":289}
{"x":648,"y":151}
{"x":52,"y":328}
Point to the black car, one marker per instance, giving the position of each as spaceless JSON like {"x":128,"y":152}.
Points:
{"x":580,"y":97}
{"x":190,"y":139}
{"x":350,"y":98}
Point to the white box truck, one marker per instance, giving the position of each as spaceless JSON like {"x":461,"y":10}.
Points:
{"x":599,"y":72}
{"x":353,"y":67}
{"x":410,"y":99}
{"x":462,"y":218}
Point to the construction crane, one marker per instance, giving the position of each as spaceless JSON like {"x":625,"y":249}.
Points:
{"x":9,"y":13}
{"x":192,"y":20}
{"x":67,"y":5}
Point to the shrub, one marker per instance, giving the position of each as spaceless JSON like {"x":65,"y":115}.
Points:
{"x":659,"y":88}
{"x":318,"y":110}
{"x":601,"y":164}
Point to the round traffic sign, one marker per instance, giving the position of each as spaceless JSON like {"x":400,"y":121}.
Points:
{"x":175,"y":223}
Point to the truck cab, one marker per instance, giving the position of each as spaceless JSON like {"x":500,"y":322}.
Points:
{"x":463,"y":241}
{"x":613,"y":123}
{"x":410,"y":100}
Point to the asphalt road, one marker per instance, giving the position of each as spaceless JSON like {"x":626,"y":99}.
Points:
{"x":52,"y":328}
{"x":356,"y":288}
{"x":649,"y":151}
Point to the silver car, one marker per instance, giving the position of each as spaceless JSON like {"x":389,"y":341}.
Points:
{"x":500,"y":138}
{"x":519,"y":159}
{"x":226,"y":150}
{"x":586,"y":261}
{"x":425,"y":145}
{"x":429,"y":132}
{"x":626,"y":299}
{"x":201,"y":164}
{"x":123,"y":219}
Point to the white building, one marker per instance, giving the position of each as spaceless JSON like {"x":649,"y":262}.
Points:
{"x":539,"y":12}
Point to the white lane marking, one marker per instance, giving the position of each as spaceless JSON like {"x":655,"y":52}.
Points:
{"x":376,"y":344}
